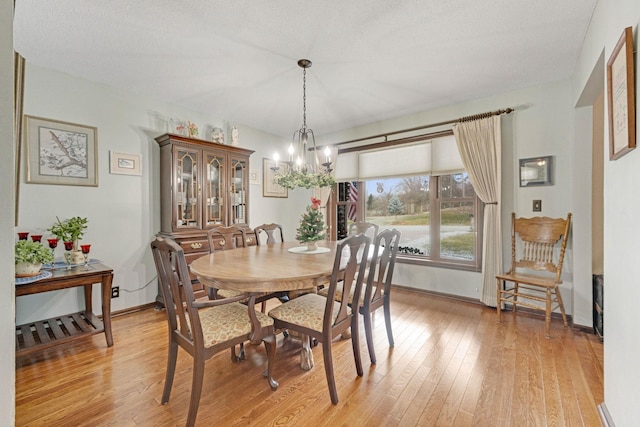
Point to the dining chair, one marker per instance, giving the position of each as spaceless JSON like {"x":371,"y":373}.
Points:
{"x":224,"y":238}
{"x":324,"y":318}
{"x":377,"y":288}
{"x":202,"y":328}
{"x":368,"y":228}
{"x":221,"y":239}
{"x":271,"y":230}
{"x":274,"y":235}
{"x":538,"y":245}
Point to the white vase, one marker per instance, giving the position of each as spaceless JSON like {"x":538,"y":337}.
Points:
{"x":77,"y":257}
{"x":312,"y":246}
{"x":27,"y":269}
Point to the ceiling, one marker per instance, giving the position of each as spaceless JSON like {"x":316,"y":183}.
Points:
{"x":372,"y":59}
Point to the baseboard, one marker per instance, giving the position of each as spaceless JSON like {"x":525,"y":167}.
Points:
{"x":135,"y":309}
{"x":438,"y":294}
{"x":605,"y":416}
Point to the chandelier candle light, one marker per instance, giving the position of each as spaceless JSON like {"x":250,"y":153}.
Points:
{"x":305,"y":171}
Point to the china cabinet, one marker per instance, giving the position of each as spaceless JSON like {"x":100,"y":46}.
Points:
{"x":202,"y":185}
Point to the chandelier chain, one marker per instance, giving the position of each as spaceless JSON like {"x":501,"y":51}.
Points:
{"x":304,"y":98}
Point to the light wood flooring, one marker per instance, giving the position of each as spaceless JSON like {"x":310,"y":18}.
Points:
{"x":452,"y":365}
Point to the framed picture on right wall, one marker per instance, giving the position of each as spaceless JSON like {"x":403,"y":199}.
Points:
{"x":621,"y":97}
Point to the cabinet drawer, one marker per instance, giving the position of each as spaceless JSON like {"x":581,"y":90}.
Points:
{"x":194,"y":245}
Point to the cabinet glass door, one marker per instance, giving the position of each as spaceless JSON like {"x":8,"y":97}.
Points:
{"x":186,"y":188}
{"x":214,"y":208}
{"x":238,"y":191}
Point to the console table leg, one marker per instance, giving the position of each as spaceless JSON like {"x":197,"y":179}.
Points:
{"x":105,"y":285}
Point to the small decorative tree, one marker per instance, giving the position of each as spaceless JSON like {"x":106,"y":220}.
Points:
{"x":311,"y":225}
{"x":395,"y":206}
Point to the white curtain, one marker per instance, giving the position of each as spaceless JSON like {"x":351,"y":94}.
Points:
{"x":479,"y":143}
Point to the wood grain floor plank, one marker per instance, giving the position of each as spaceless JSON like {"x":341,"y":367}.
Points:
{"x":452,"y":364}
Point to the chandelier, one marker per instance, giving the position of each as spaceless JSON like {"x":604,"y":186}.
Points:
{"x":303,"y":168}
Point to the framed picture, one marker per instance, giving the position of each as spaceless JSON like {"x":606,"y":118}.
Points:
{"x":536,"y":171}
{"x":61,"y":153}
{"x":269,"y":188}
{"x":621,"y":97}
{"x":254,"y":177}
{"x":125,"y":164}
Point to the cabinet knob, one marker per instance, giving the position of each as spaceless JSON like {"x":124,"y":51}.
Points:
{"x":196,"y":245}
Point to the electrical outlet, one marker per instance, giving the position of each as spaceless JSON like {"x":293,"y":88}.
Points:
{"x":115,"y":292}
{"x":537,"y":205}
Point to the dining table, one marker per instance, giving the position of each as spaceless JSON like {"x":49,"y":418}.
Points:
{"x":268,"y":269}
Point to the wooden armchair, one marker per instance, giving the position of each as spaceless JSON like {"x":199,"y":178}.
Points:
{"x":202,"y":329}
{"x":537,"y":245}
{"x":271,"y":230}
{"x":324,"y":318}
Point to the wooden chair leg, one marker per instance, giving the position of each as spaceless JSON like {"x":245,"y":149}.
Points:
{"x":328,"y":368}
{"x":171,"y":370}
{"x":196,"y":390}
{"x":263,"y":307}
{"x":547,"y":316}
{"x":387,"y":319}
{"x":355,"y":344}
{"x":369,"y":335}
{"x":561,"y":305}
{"x":515,"y":296}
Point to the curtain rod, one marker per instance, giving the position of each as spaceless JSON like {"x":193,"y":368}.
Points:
{"x":447,"y":122}
{"x":384,"y":144}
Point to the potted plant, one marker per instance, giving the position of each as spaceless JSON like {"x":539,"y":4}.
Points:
{"x":71,"y":230}
{"x":29,"y":257}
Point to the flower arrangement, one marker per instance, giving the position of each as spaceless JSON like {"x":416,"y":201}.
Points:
{"x":311,"y":224}
{"x":295,"y":179}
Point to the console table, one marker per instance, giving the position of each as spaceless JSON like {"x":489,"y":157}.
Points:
{"x":59,"y":330}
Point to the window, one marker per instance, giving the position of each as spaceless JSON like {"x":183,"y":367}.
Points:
{"x":423,"y":190}
{"x":437,"y":216}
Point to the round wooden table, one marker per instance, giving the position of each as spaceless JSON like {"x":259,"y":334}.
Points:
{"x":268,"y":269}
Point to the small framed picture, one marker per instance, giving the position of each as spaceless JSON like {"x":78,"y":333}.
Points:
{"x":270,"y":188}
{"x":125,"y":164}
{"x":536,"y":171}
{"x":254,"y":177}
{"x":621,"y":97}
{"x":61,"y":153}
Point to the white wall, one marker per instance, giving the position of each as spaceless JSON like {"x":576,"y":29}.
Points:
{"x":542,"y":125}
{"x":123,"y":211}
{"x":7,"y":190}
{"x":622,"y":228}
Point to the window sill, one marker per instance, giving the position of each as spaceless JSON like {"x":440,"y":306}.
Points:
{"x":452,"y":265}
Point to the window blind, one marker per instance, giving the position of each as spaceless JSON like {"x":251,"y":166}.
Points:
{"x":437,"y":156}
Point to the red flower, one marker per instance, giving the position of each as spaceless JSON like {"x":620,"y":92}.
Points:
{"x":315,"y":203}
